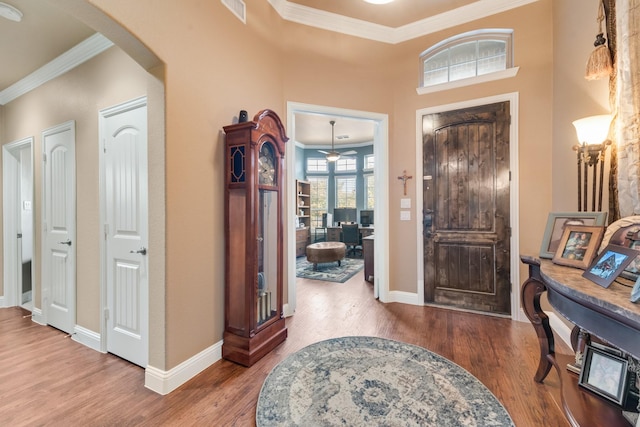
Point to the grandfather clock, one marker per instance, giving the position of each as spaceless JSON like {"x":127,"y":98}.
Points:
{"x":254,"y":165}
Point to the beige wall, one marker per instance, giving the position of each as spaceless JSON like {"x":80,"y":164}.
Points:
{"x":106,"y":80}
{"x":215,"y":66}
{"x":574,"y":97}
{"x":329,"y":69}
{"x":207,"y":51}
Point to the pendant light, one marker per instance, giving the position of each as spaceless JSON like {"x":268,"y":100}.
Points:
{"x":9,"y":12}
{"x":332,"y":155}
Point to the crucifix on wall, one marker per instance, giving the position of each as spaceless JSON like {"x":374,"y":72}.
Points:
{"x":404,"y":179}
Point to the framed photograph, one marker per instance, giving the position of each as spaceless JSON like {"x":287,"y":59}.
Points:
{"x":556,"y":223}
{"x":609,"y":264}
{"x":578,"y":245}
{"x":625,"y":232}
{"x":605,"y":374}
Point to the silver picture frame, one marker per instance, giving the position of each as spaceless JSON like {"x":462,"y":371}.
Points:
{"x":556,"y":223}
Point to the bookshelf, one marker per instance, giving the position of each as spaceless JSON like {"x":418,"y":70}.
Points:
{"x":303,"y":213}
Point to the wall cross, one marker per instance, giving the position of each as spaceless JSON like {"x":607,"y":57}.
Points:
{"x":404,"y":179}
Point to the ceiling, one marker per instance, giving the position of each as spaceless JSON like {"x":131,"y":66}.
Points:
{"x":45,"y":33}
{"x":313,"y":129}
{"x":394,"y":14}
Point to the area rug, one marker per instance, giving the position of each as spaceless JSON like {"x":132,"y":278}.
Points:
{"x":357,"y":381}
{"x":330,"y":271}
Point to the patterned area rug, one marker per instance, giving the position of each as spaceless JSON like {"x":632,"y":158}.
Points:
{"x":355,"y":381}
{"x":330,"y":271}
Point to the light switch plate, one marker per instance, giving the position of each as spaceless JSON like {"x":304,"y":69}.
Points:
{"x":405,"y":203}
{"x":405,"y":215}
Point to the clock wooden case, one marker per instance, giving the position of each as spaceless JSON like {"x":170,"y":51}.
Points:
{"x":254,"y":184}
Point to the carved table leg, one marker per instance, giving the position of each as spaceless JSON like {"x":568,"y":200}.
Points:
{"x":532,"y":289}
{"x":579,"y":338}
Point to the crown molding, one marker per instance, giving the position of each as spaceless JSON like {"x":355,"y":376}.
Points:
{"x":331,"y":21}
{"x":75,"y":56}
{"x":355,"y":27}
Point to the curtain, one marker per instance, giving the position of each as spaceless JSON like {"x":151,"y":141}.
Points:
{"x":627,"y":106}
{"x":610,"y":13}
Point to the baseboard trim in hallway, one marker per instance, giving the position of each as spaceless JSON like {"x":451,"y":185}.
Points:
{"x":164,"y":382}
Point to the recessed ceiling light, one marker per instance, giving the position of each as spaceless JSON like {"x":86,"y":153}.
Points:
{"x":10,"y":12}
{"x":378,"y":1}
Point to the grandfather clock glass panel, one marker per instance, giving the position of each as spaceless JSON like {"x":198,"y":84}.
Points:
{"x":254,"y":318}
{"x":267,"y":252}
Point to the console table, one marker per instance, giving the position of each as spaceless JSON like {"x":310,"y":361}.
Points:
{"x":605,"y":313}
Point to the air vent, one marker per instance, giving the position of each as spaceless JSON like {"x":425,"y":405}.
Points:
{"x":238,"y":8}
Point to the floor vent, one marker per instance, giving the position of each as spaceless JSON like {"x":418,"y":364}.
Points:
{"x":238,"y":8}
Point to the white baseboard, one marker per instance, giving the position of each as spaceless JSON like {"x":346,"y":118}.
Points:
{"x":164,"y":382}
{"x":411,"y":298}
{"x":287,"y":310}
{"x":86,"y":337}
{"x":36,"y":316}
{"x":560,"y":329}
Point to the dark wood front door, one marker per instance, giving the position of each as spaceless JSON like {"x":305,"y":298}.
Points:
{"x":466,"y":208}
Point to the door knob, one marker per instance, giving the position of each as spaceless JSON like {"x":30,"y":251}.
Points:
{"x":142,"y":251}
{"x":66,"y":242}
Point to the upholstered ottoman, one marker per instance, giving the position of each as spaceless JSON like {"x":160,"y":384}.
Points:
{"x":325,"y":252}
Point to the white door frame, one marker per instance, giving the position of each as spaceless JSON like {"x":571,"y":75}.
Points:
{"x":104,"y":264}
{"x":513,"y":99}
{"x":381,"y":150}
{"x":12,"y":204}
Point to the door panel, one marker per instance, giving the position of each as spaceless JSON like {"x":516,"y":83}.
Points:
{"x":124,"y":130}
{"x":466,"y":208}
{"x":59,"y":255}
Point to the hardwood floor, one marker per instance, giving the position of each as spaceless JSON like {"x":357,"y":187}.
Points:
{"x":48,"y":379}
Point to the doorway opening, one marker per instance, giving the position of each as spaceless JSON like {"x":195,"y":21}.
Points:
{"x":380,"y":148}
{"x":18,"y":223}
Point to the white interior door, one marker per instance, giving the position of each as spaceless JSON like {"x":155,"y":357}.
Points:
{"x":59,"y":226}
{"x":123,"y":131}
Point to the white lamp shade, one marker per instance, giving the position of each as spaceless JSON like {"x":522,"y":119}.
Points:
{"x":593,"y":130}
{"x":333,"y":156}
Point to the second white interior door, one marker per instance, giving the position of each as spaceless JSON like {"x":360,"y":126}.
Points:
{"x":124,"y":207}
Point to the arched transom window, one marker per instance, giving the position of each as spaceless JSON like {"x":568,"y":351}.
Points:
{"x":467,"y":55}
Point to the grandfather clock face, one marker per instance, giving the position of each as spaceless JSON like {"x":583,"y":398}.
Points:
{"x":267,"y":165}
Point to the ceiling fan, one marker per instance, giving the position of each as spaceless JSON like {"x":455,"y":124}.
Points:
{"x":333,"y":155}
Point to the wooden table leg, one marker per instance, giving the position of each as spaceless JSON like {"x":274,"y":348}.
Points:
{"x":579,"y":339}
{"x":532,"y":289}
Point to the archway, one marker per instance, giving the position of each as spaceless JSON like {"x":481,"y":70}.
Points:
{"x":93,"y":17}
